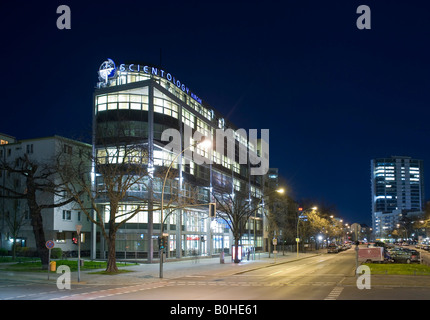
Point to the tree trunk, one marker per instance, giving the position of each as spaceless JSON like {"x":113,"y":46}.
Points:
{"x":111,"y":263}
{"x":39,"y":236}
{"x":236,"y":245}
{"x":14,"y":248}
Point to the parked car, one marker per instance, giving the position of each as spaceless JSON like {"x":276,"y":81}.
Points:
{"x":415,"y":255}
{"x":401,"y":256}
{"x":332,"y":248}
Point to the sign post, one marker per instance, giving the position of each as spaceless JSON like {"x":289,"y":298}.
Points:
{"x":49,"y":244}
{"x":78,"y":231}
{"x":275,"y":252}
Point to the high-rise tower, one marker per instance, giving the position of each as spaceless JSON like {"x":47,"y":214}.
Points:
{"x":397,"y":192}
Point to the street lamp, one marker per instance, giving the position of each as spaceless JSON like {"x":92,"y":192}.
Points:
{"x":298,"y":219}
{"x":205,"y":143}
{"x":280,"y":191}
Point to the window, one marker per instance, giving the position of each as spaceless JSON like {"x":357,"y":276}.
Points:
{"x":203,"y":128}
{"x":226,"y":162}
{"x":221,"y":123}
{"x":67,"y":149}
{"x":61,"y":237}
{"x":217,"y":157}
{"x":164,"y":105}
{"x":188,"y":118}
{"x":29,"y":148}
{"x":67,"y":215}
{"x":130,"y":99}
{"x":236,"y":184}
{"x":203,"y":151}
{"x":236,"y":167}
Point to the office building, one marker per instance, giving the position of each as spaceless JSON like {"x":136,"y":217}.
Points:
{"x":397,"y":192}
{"x":134,"y":104}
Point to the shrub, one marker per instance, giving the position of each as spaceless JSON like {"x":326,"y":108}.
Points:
{"x":56,"y":253}
{"x":3,"y":252}
{"x":26,"y":252}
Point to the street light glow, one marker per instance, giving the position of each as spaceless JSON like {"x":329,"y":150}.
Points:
{"x":205,"y":143}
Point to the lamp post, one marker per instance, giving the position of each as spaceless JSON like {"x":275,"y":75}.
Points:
{"x":281,"y":191}
{"x":298,"y":219}
{"x":206,"y":143}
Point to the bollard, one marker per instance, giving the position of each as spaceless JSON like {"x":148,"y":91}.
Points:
{"x":53,"y":266}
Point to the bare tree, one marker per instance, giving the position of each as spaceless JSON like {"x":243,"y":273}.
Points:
{"x":40,"y":183}
{"x":235,"y":209}
{"x":118,"y":174}
{"x":283,"y":212}
{"x":15,"y":220}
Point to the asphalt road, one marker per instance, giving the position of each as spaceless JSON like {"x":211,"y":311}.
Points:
{"x":314,"y":278}
{"x":321,"y":277}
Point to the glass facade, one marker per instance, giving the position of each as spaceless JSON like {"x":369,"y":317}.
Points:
{"x":397,"y":188}
{"x":136,"y":107}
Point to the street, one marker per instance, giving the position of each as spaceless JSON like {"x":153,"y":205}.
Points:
{"x":314,"y":277}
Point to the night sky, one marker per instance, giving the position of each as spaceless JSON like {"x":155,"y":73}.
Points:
{"x":333,"y":96}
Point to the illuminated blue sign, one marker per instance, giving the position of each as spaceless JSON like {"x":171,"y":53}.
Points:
{"x":107,"y":70}
{"x":161,"y":73}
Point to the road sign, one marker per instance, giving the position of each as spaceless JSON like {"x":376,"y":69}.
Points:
{"x":275,"y":241}
{"x":50,"y":244}
{"x":78,"y":228}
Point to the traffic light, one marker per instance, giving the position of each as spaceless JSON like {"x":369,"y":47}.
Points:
{"x":212,"y":210}
{"x":165,"y":242}
{"x":162,"y":242}
{"x":75,"y":240}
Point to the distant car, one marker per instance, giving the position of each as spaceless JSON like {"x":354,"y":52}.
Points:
{"x":425,"y":246}
{"x":332,"y":248}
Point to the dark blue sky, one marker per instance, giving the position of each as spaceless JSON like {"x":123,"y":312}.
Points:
{"x":333,"y":96}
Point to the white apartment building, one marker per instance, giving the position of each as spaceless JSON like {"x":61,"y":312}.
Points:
{"x":60,"y":222}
